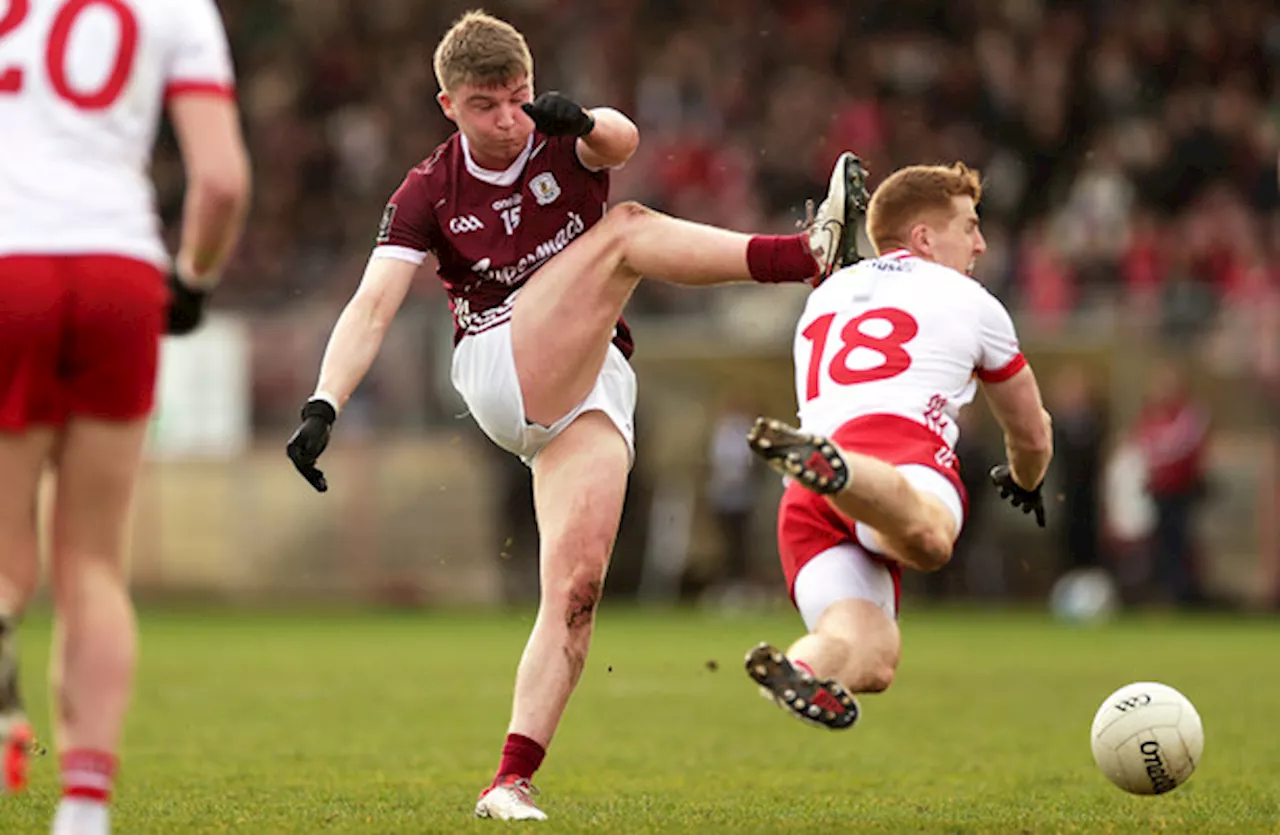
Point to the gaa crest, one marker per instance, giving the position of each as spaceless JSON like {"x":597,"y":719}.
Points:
{"x":545,"y":188}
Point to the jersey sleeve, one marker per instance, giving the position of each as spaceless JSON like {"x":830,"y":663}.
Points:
{"x":408,"y":230}
{"x":199,"y":58}
{"x":999,"y":354}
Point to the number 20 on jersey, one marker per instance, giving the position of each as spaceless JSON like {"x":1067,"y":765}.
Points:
{"x":55,"y":51}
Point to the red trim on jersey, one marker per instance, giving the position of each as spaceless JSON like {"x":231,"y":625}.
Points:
{"x":1003,"y":373}
{"x":898,"y":254}
{"x":207,"y":88}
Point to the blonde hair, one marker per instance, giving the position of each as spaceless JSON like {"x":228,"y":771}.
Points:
{"x":480,"y":49}
{"x":911,"y":192}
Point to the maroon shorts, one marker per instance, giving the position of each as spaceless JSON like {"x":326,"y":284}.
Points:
{"x":79,"y":335}
{"x":807,"y":523}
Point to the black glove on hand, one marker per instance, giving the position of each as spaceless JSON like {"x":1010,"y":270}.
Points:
{"x":310,"y":439}
{"x":186,"y":307}
{"x":557,"y":115}
{"x":1026,"y":500}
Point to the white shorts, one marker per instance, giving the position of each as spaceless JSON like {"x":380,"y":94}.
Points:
{"x":484,"y":373}
{"x":849,"y":570}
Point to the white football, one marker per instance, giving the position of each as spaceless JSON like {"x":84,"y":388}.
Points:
{"x":1147,"y":738}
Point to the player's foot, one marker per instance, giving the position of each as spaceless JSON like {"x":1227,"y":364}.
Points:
{"x":833,"y":228}
{"x":810,"y":459}
{"x":822,"y":702}
{"x":510,"y":798}
{"x":17,"y":741}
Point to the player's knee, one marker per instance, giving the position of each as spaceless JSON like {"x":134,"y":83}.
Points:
{"x":620,"y":222}
{"x":627,"y":213}
{"x":878,"y":677}
{"x":930,"y":546}
{"x":582,"y":596}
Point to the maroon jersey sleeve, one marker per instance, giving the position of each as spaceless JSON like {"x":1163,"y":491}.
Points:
{"x":409,"y":220}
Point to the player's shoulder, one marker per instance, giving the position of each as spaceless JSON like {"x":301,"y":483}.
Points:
{"x":436,"y":171}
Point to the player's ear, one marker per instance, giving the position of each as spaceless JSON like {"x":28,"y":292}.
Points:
{"x":446,"y":104}
{"x":922,"y":239}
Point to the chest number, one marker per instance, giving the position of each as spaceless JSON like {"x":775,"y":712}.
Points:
{"x":511,"y":218}
{"x":893,"y":357}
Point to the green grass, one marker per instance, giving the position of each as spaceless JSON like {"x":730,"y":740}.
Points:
{"x":391,"y":723}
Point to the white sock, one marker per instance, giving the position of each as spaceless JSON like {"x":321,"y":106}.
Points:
{"x":81,"y":816}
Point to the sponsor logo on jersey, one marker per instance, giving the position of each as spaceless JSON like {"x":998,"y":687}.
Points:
{"x":508,"y":202}
{"x":384,"y":225}
{"x":462,"y":224}
{"x":513,"y":273}
{"x":545,"y":188}
{"x":888,"y":265}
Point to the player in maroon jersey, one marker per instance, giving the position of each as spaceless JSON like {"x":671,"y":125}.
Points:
{"x":538,"y":272}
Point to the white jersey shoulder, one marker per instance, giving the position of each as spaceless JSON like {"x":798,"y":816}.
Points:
{"x":82,"y":84}
{"x":900,"y":336}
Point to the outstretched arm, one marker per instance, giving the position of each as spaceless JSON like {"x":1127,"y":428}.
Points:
{"x":1028,"y":430}
{"x":352,"y":347}
{"x":358,"y":335}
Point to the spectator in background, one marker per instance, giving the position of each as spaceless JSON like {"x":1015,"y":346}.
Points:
{"x":1173,"y":432}
{"x":1080,"y":432}
{"x":731,"y":493}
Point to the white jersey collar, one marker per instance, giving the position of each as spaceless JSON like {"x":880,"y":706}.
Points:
{"x":496,"y":178}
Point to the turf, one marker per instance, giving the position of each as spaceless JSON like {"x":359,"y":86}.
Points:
{"x":390,"y":723}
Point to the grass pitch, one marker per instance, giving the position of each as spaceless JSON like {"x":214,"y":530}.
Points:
{"x":391,"y":723}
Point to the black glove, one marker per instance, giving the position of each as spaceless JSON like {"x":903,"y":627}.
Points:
{"x":557,"y":115}
{"x":310,"y":439}
{"x":1027,"y":500}
{"x":186,"y":307}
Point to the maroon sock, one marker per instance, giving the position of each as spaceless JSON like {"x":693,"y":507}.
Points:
{"x":88,"y":774}
{"x":521,"y":756}
{"x":774,"y":259}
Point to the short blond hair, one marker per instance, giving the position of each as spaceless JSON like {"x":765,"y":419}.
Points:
{"x":909,"y":193}
{"x":480,"y":49}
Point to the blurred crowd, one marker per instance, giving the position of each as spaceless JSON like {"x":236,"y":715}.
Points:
{"x":1129,"y":154}
{"x":1128,"y":148}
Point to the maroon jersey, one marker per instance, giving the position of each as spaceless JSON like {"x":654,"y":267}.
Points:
{"x":491,"y":230}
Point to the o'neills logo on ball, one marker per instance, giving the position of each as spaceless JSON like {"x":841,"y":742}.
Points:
{"x":1161,"y":782}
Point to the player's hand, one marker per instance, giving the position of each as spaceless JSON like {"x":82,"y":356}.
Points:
{"x":557,"y":115}
{"x":1028,"y":501}
{"x":310,"y":439}
{"x":186,"y":307}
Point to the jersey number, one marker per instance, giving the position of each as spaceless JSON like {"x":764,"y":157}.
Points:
{"x":55,"y":52}
{"x":894,"y":359}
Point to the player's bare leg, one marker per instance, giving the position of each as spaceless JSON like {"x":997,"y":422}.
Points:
{"x":564,"y":316}
{"x":579,"y":482}
{"x":914,"y":528}
{"x":562,"y":324}
{"x":95,"y":643}
{"x":22,"y":459}
{"x":855,"y":643}
{"x":854,"y":648}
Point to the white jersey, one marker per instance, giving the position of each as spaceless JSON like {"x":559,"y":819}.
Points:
{"x":82,"y":83}
{"x":897,"y":335}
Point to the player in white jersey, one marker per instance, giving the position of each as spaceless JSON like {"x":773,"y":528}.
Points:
{"x":86,"y":292}
{"x":886,"y":353}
